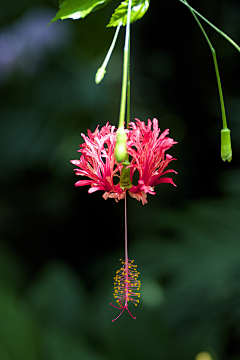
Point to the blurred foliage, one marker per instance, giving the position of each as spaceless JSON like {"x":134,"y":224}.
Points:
{"x":59,"y":246}
{"x":73,"y":9}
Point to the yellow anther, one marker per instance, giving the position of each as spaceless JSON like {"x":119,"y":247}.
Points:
{"x":125,"y":283}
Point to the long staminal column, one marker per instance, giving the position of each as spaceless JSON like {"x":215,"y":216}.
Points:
{"x":126,"y":283}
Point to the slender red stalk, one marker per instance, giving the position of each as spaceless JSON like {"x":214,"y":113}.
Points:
{"x":126,"y":249}
{"x":126,"y":282}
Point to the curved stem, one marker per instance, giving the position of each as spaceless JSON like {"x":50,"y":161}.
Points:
{"x":102,"y":70}
{"x":111,"y":47}
{"x":209,"y":23}
{"x":224,"y":120}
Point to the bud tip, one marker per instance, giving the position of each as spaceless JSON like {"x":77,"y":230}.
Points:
{"x":99,"y":75}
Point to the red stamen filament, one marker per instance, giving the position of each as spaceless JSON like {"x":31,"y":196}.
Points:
{"x":125,"y":281}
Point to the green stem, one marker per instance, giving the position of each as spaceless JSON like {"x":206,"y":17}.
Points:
{"x":209,"y":23}
{"x":128,"y":87}
{"x":128,"y":95}
{"x":102,"y":70}
{"x":224,"y":120}
{"x":125,"y":69}
{"x":111,"y":47}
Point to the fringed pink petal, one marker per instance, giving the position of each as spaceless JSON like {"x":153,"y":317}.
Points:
{"x":97,"y":161}
{"x":165,"y":180}
{"x":83,"y":182}
{"x":94,"y":188}
{"x":106,"y":195}
{"x":147,"y":148}
{"x":139,"y":196}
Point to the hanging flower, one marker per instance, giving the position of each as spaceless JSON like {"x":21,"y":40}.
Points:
{"x":147,"y":155}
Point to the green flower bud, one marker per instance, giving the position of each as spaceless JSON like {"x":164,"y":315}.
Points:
{"x":226,"y":149}
{"x":120,"y":147}
{"x":100,"y":75}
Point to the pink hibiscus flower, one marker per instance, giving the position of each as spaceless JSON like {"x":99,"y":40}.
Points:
{"x":147,"y":155}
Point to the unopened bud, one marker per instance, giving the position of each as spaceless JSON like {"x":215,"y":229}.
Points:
{"x":226,"y":149}
{"x":120,"y":147}
{"x":100,"y":75}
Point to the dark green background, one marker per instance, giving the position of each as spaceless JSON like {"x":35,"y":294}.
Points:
{"x":59,"y":245}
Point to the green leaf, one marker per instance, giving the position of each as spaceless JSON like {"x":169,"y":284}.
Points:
{"x":76,"y":9}
{"x":98,"y":7}
{"x":60,"y":3}
{"x":139,"y":8}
